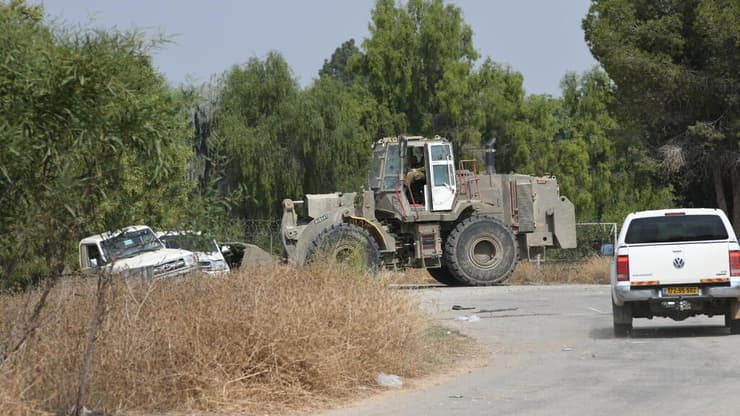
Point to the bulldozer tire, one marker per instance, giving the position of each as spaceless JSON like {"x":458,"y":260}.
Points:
{"x":481,"y":251}
{"x":346,"y":243}
{"x":444,"y":276}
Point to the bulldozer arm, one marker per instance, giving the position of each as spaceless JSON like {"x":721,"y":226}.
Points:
{"x":323,"y":210}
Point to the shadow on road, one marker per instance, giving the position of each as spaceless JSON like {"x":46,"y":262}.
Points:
{"x":663,"y":332}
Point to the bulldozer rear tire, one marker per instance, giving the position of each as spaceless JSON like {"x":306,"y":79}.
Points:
{"x":444,"y":276}
{"x":481,"y":251}
{"x":346,"y":243}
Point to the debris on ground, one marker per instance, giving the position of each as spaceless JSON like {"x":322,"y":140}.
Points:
{"x":497,"y":310}
{"x":389,"y":380}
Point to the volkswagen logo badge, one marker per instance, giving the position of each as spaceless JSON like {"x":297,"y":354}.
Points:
{"x":678,"y":263}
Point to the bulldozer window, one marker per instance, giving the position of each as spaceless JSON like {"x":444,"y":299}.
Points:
{"x":375,"y":175}
{"x":440,"y":153}
{"x":392,"y":167}
{"x":441,"y":175}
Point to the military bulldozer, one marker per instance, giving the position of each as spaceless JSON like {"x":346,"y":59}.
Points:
{"x":421,"y":210}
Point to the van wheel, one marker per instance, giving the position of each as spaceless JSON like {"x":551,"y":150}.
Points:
{"x":622,"y":319}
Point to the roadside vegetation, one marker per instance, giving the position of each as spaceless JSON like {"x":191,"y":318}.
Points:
{"x":268,"y":339}
{"x":590,"y":270}
{"x":93,"y":138}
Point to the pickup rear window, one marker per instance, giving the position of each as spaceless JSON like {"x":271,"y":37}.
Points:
{"x":671,"y":229}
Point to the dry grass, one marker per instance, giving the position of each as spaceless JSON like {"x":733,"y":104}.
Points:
{"x":594,"y":270}
{"x":271,"y":339}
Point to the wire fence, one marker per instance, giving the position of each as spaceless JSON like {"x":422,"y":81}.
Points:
{"x":594,"y":239}
{"x":265,"y":234}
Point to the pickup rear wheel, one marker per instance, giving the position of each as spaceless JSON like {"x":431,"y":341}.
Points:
{"x":348,"y":244}
{"x":481,"y":251}
{"x":622,"y":319}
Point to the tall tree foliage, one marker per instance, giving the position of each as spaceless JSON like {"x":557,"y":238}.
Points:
{"x":337,"y":66}
{"x":497,"y":97}
{"x":253,"y":131}
{"x":600,"y":164}
{"x":416,"y":63}
{"x":675,"y":67}
{"x":280,"y":141}
{"x":91,"y":139}
{"x":335,"y":146}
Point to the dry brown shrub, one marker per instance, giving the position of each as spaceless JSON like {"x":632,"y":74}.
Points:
{"x":594,"y":270}
{"x":273,"y":338}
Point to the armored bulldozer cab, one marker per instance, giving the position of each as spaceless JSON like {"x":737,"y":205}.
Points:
{"x":421,"y":171}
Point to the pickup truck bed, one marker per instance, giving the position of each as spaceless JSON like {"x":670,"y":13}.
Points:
{"x":676,"y":264}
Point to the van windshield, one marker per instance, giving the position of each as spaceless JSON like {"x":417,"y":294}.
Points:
{"x":678,"y":228}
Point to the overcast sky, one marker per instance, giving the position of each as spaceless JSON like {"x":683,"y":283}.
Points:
{"x":542,"y":39}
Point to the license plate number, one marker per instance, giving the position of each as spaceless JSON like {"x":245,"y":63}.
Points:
{"x":681,"y":290}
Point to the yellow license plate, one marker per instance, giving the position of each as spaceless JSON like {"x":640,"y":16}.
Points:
{"x":681,"y":291}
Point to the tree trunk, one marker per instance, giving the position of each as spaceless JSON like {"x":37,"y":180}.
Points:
{"x":719,"y":188}
{"x":96,"y":321}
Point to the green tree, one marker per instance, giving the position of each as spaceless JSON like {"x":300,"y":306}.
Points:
{"x":607,"y":173}
{"x":91,"y":139}
{"x":674,"y":64}
{"x":416,"y":63}
{"x":498,"y":100}
{"x":278,"y":141}
{"x":336,"y":66}
{"x":335,"y":144}
{"x":253,"y":133}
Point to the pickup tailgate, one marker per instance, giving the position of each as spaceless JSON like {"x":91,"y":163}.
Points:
{"x":701,"y":262}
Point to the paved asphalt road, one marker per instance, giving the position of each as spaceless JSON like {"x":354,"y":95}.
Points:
{"x":555,"y":355}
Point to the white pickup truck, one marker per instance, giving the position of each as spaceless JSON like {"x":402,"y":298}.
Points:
{"x":134,"y":251}
{"x":676,"y":263}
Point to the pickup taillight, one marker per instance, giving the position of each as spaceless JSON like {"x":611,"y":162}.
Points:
{"x":735,"y":263}
{"x":623,"y":268}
